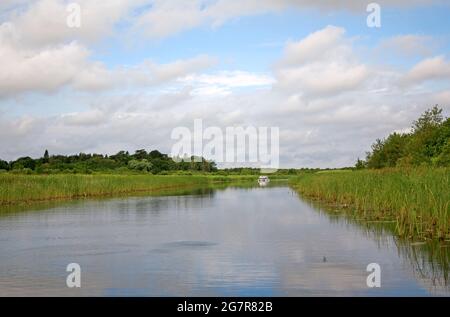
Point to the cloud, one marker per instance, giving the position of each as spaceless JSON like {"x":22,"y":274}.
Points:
{"x":408,"y":45}
{"x":231,"y":79}
{"x":52,"y":68}
{"x":323,"y":63}
{"x":41,"y":54}
{"x":169,"y":17}
{"x":44,"y":22}
{"x":225,"y":82}
{"x":93,"y":117}
{"x":180,"y":68}
{"x":43,"y":70}
{"x":318,"y":45}
{"x":442,"y":98}
{"x":6,"y":5}
{"x":315,"y":132}
{"x":428,"y":69}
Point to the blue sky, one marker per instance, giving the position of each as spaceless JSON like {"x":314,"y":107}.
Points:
{"x":315,"y":70}
{"x":254,"y":43}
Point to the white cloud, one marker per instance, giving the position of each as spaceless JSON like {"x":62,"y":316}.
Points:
{"x":41,"y":23}
{"x":318,"y":45}
{"x":169,"y":17}
{"x":231,"y":79}
{"x":45,"y":70}
{"x":323,"y":63}
{"x":225,"y":82}
{"x":180,"y":68}
{"x":442,"y":98}
{"x":322,"y":79}
{"x":428,"y":69}
{"x":316,"y":132}
{"x":68,"y":65}
{"x":408,"y":45}
{"x":93,"y":117}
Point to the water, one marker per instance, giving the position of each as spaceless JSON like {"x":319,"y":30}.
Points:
{"x":228,"y":242}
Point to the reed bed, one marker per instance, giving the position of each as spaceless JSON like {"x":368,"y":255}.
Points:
{"x":17,"y":189}
{"x":418,"y":200}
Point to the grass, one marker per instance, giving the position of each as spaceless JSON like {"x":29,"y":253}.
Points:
{"x":418,"y":200}
{"x":20,"y":189}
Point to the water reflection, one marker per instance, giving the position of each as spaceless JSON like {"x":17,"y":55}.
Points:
{"x":429,"y":260}
{"x":239,"y":240}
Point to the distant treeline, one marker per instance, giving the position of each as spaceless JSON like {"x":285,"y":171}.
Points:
{"x":428,"y":144}
{"x":141,"y":161}
{"x":281,"y":171}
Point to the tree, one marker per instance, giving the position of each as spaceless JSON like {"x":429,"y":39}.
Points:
{"x":24,"y":162}
{"x":429,"y":119}
{"x":360,"y":164}
{"x":140,"y":165}
{"x":4,"y":165}
{"x":429,"y":137}
{"x":155,"y":162}
{"x":140,"y":154}
{"x":376,"y":159}
{"x":156,"y":154}
{"x":46,"y":157}
{"x":425,"y":145}
{"x":444,"y":158}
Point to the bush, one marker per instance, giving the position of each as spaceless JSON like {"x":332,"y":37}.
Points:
{"x":140,"y":165}
{"x":444,"y":158}
{"x":26,"y":171}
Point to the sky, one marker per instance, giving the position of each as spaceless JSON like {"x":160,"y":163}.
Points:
{"x":135,"y":70}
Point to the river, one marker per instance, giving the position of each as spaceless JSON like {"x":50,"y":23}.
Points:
{"x":250,"y":241}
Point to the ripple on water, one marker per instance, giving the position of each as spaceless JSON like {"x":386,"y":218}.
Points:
{"x":189,"y":244}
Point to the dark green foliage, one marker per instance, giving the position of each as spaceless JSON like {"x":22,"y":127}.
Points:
{"x":4,"y":165}
{"x":24,"y":162}
{"x":46,"y":157}
{"x":140,"y":165}
{"x":154,"y":162}
{"x":427,"y":144}
{"x":360,"y":164}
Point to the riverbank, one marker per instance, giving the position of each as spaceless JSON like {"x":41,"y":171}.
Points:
{"x":418,"y":200}
{"x":25,"y":189}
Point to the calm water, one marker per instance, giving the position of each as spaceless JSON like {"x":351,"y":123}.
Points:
{"x":228,"y":242}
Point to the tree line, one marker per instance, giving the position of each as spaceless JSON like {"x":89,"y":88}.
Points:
{"x":153,"y":162}
{"x":427,"y":144}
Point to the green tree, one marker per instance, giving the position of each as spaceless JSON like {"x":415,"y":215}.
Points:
{"x":46,"y":157}
{"x":140,"y":165}
{"x":4,"y":165}
{"x":429,"y":119}
{"x":24,"y":162}
{"x":360,"y":164}
{"x":140,"y":155}
{"x":425,"y":145}
{"x":429,"y":136}
{"x":444,"y":157}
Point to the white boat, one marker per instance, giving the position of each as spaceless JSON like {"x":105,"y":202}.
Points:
{"x":263,"y":180}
